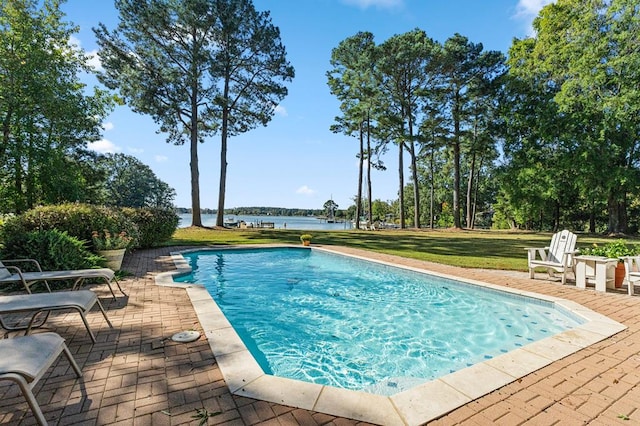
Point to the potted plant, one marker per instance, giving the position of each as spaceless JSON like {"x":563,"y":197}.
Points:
{"x":111,"y":246}
{"x":306,"y":239}
{"x":613,"y":250}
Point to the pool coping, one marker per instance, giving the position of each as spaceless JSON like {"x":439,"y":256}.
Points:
{"x":414,"y":406}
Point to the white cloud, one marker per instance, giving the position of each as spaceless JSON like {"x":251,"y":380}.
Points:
{"x":527,"y":10}
{"x":281,"y":111}
{"x":107,"y":126}
{"x":305,"y":190}
{"x":161,"y":158}
{"x":530,"y":8}
{"x":94,"y":60}
{"x":74,"y":42}
{"x":380,"y":4}
{"x":104,"y":146}
{"x":135,"y":150}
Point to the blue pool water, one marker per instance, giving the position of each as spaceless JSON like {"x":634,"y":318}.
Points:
{"x":335,"y":320}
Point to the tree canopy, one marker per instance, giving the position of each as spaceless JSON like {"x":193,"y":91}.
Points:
{"x":47,"y":118}
{"x":198,"y":67}
{"x":422,"y":96}
{"x":551,"y":143}
{"x":131,"y":183}
{"x":584,"y":62}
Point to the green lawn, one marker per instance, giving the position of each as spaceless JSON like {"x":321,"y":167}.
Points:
{"x":472,"y":249}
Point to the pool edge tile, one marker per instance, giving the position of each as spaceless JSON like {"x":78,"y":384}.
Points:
{"x":477,"y":380}
{"x":245,"y":377}
{"x":581,"y":337}
{"x":225,"y":341}
{"x":552,"y":348}
{"x":198,"y":292}
{"x":210,"y":316}
{"x":281,"y":391}
{"x":239,"y":369}
{"x":367,"y":407}
{"x":442,"y":399}
{"x":519,"y":362}
{"x":604,"y":328}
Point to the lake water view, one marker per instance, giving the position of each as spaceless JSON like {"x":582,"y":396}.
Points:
{"x":306,"y":223}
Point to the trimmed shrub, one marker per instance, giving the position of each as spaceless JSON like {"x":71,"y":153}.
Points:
{"x":78,"y":220}
{"x":155,"y":226}
{"x":53,"y":249}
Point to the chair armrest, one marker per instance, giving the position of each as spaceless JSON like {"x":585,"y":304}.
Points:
{"x":631,"y":264}
{"x":35,"y":262}
{"x":566,"y":256}
{"x":571,"y":253}
{"x":531,"y":253}
{"x":19,"y":273}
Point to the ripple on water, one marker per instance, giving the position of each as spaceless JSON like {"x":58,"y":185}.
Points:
{"x":344,"y":322}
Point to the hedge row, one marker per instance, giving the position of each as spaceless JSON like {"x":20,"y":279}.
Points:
{"x":60,"y":236}
{"x":54,"y":250}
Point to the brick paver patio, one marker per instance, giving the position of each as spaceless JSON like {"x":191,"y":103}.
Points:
{"x":136,"y":375}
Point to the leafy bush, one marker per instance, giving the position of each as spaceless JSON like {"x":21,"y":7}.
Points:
{"x":107,"y":240}
{"x":78,"y":220}
{"x":155,"y":226}
{"x":53,"y":249}
{"x":612,"y":250}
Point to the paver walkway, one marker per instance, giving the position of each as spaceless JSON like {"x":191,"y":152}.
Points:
{"x":136,"y":375}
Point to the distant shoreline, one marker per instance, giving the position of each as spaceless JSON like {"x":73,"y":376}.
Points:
{"x":306,"y":223}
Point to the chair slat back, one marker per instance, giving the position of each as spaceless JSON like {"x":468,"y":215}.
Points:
{"x":631,"y":264}
{"x":561,"y":243}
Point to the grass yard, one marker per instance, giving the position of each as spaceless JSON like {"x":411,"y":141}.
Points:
{"x":471,"y":249}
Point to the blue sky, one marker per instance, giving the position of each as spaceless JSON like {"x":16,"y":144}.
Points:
{"x":296,"y":161}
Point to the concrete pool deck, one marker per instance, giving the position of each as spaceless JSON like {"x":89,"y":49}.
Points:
{"x":135,"y":375}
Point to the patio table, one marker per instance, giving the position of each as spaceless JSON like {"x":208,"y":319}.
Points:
{"x":598,"y":270}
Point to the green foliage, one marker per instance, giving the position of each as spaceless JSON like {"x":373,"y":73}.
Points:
{"x":3,"y":219}
{"x":501,"y":220}
{"x":53,"y":249}
{"x":107,"y":240}
{"x":165,"y":55}
{"x":381,"y":210}
{"x":144,"y":227}
{"x":155,"y":226}
{"x":131,"y":183}
{"x":330,"y":208}
{"x":407,"y":68}
{"x":203,"y":416}
{"x":445,"y":219}
{"x":45,"y":114}
{"x":613,"y":250}
{"x":352,"y":80}
{"x":78,"y":220}
{"x":576,"y":91}
{"x":306,"y":237}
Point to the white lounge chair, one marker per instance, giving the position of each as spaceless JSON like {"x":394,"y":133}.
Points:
{"x":24,"y":360}
{"x":44,"y":303}
{"x":557,"y":257}
{"x":631,"y":272}
{"x":10,"y":274}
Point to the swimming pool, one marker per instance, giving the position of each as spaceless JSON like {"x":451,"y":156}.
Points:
{"x":424,"y":402}
{"x":339,"y":321}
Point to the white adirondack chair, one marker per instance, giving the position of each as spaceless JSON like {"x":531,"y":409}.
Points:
{"x":632,"y":272}
{"x":557,"y":257}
